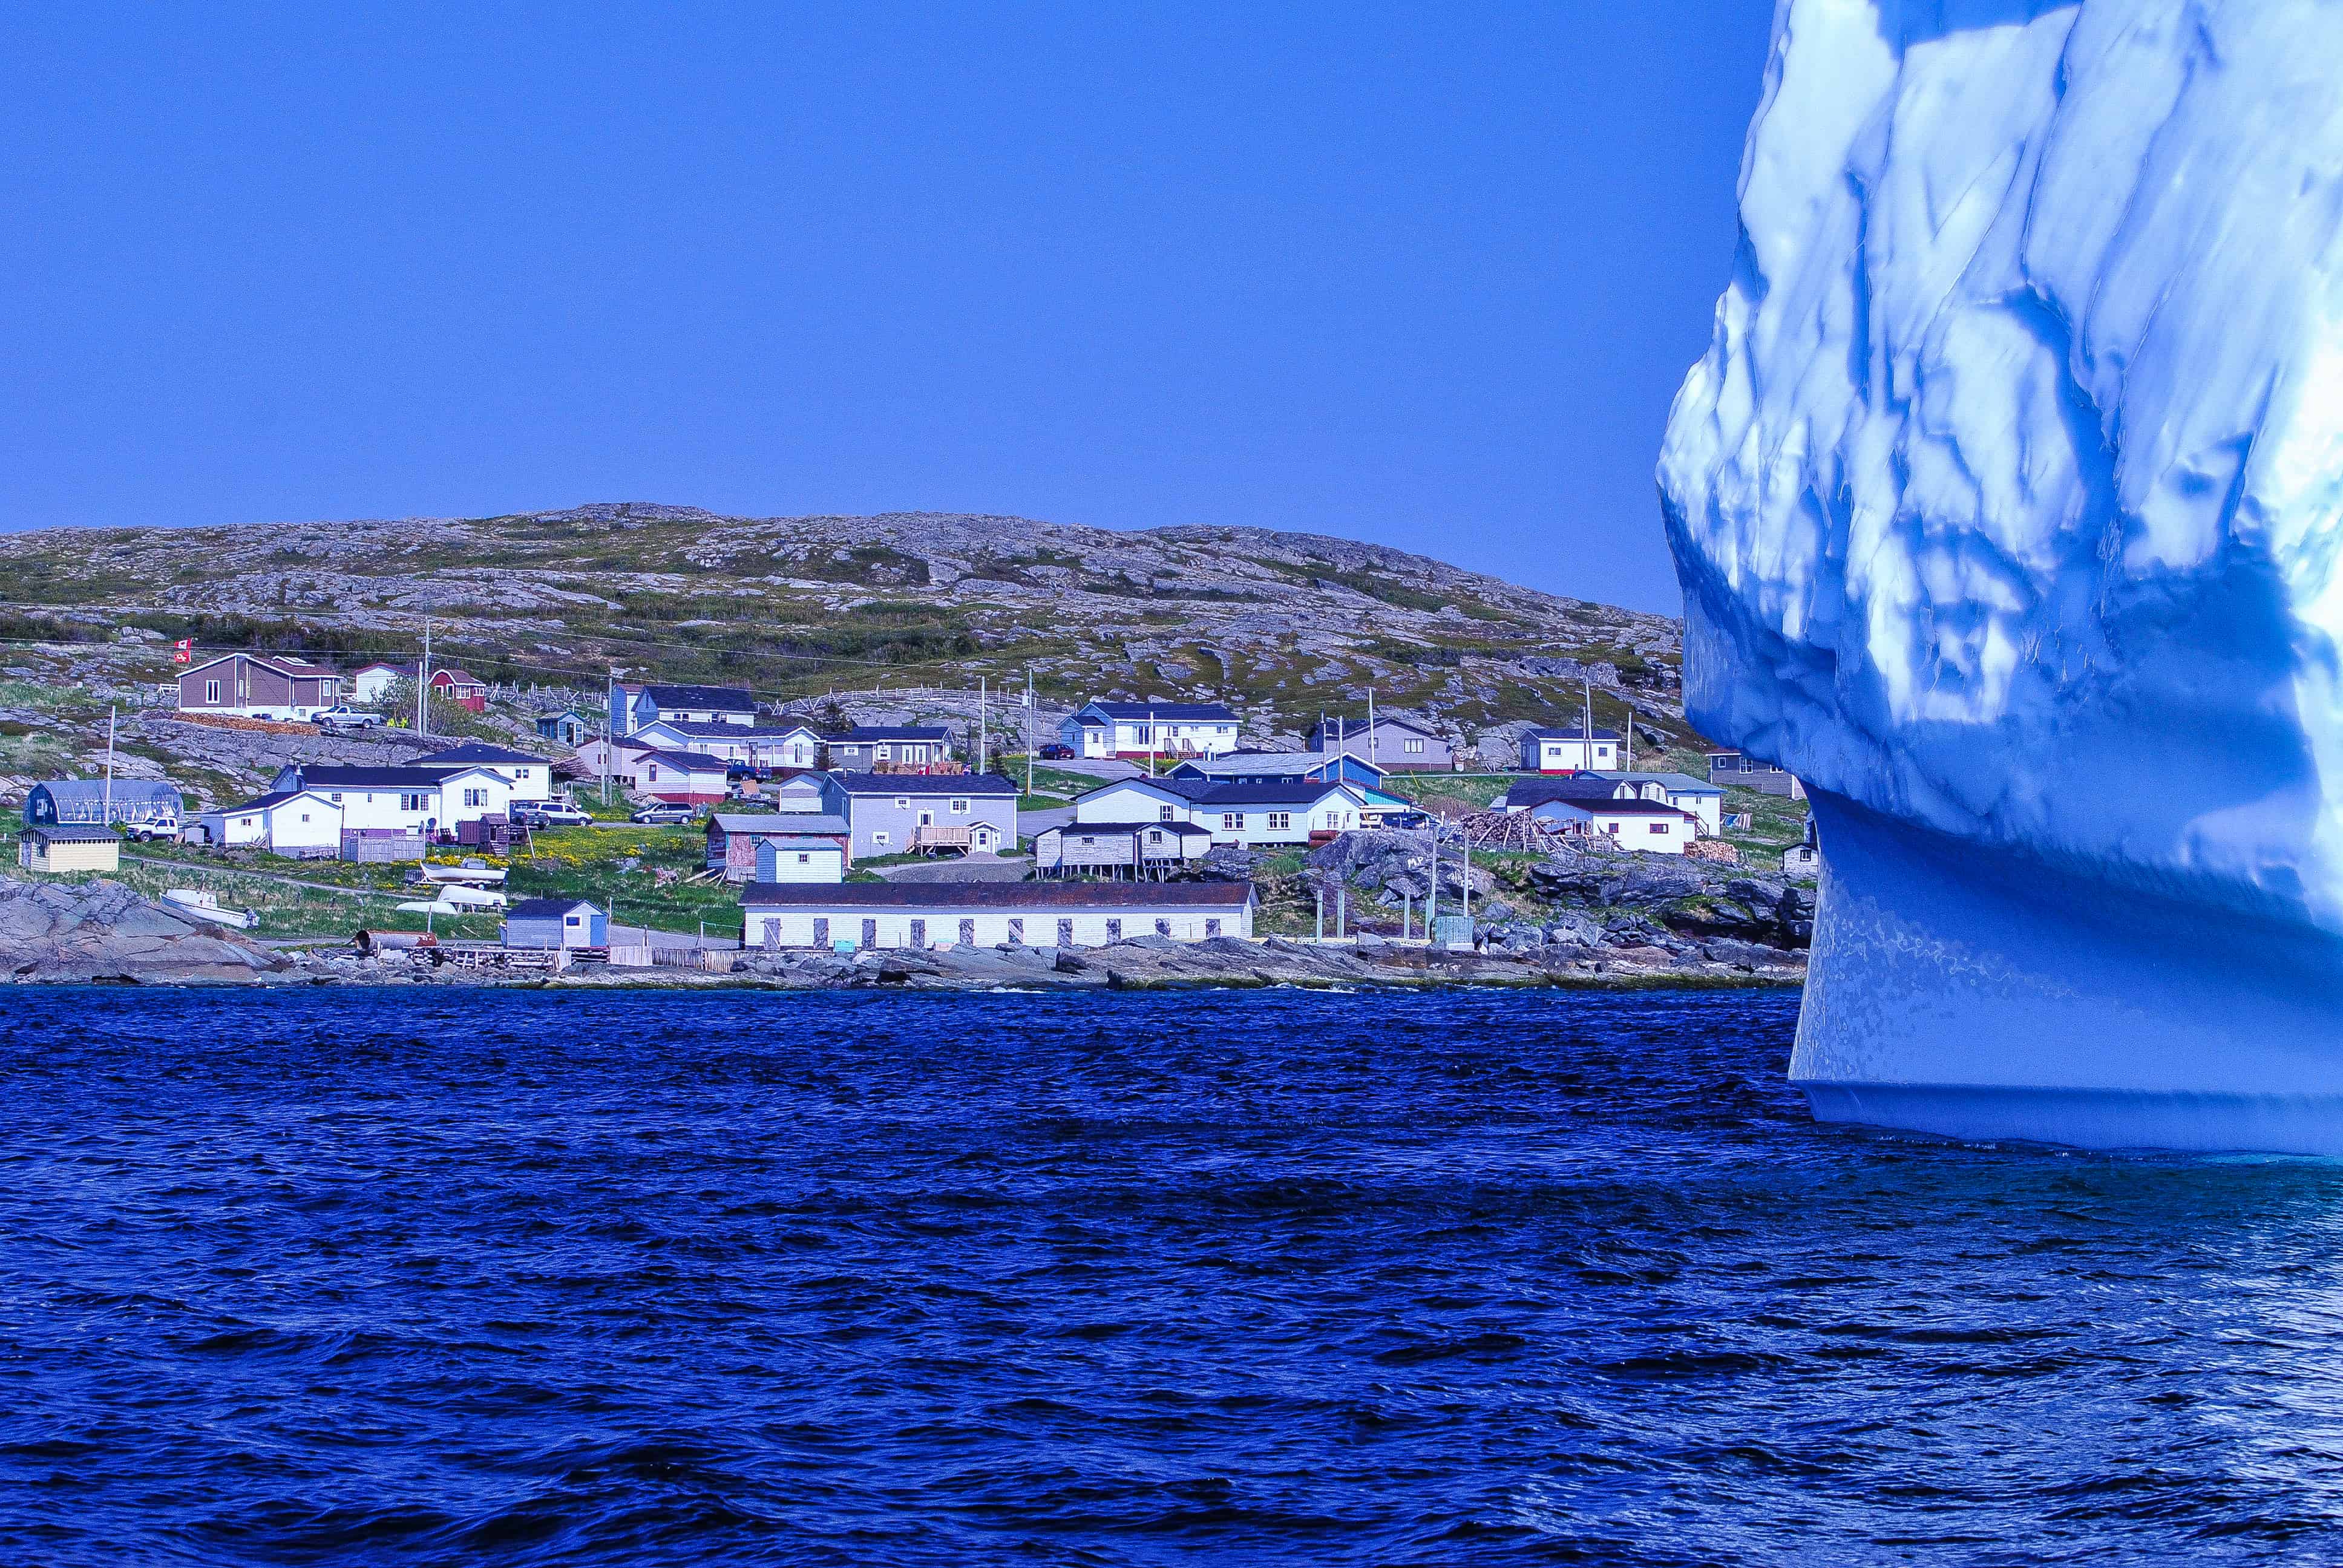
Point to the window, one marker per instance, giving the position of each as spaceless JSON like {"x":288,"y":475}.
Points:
{"x":1114,"y":930}
{"x":652,"y":772}
{"x":926,"y":818}
{"x":211,"y":691}
{"x":870,"y":933}
{"x":1281,"y":822}
{"x":570,"y":920}
{"x":411,"y":803}
{"x":337,"y":797}
{"x":1155,"y":835}
{"x":967,"y":933}
{"x":1412,"y":747}
{"x":902,"y":802}
{"x":1065,"y":933}
{"x":1163,"y":927}
{"x":879,"y":837}
{"x":1163,"y":813}
{"x":880,"y":751}
{"x":1211,"y":928}
{"x":305,"y":816}
{"x":1611,"y":829}
{"x":919,"y":933}
{"x":1232,"y":821}
{"x":475,"y":796}
{"x":821,"y":931}
{"x":1656,"y":826}
{"x":960,"y":808}
{"x":805,"y":859}
{"x":1017,"y":930}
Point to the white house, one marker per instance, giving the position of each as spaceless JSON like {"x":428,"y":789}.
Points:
{"x":1682,"y":790}
{"x":371,"y":683}
{"x":1570,"y":750}
{"x":1149,"y":728}
{"x":414,"y":797}
{"x":756,"y":745}
{"x":683,"y":777}
{"x":1286,"y":812}
{"x":918,"y":915}
{"x":531,"y":776}
{"x":301,"y":822}
{"x":1651,"y":826}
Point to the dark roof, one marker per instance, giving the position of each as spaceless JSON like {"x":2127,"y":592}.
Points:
{"x":1617,"y":807}
{"x":475,"y":752}
{"x":697,"y":761}
{"x":994,"y":894}
{"x":1216,"y":792}
{"x":1385,"y":721}
{"x":1177,"y":713}
{"x":530,"y":908}
{"x":1571,"y":732}
{"x":866,"y":732}
{"x":925,"y":784}
{"x":1118,"y":828}
{"x":399,"y":776}
{"x":73,"y":833}
{"x":275,"y":797}
{"x":1577,"y":786}
{"x":717,"y":729}
{"x":780,"y":824}
{"x":721,"y":697}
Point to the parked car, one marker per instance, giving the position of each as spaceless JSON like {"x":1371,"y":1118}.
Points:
{"x":163,"y":832}
{"x":549,"y":814}
{"x":662,"y":811}
{"x":1054,"y":751}
{"x":342,"y":716}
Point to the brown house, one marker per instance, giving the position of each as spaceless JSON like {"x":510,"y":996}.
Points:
{"x":258,"y":686}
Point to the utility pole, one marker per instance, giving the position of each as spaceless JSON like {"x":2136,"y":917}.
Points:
{"x":1029,"y":731}
{"x":983,"y":694}
{"x":1371,"y":727}
{"x":1586,"y":748}
{"x":1431,"y":899}
{"x":423,"y":684}
{"x":107,"y":821}
{"x":609,"y":733}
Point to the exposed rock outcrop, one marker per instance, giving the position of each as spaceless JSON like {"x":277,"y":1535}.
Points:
{"x":103,"y":931}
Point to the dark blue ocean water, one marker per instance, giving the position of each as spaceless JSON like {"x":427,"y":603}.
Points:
{"x":440,"y":1276}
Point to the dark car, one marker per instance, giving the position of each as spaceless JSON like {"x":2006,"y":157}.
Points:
{"x":1054,"y":751}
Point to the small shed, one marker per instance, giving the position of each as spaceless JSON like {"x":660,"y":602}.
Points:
{"x":801,"y":858}
{"x":70,"y":847}
{"x":546,"y":923}
{"x":568,"y":727}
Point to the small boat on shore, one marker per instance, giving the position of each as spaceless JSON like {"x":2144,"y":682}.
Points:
{"x":206,"y":906}
{"x":469,"y":871}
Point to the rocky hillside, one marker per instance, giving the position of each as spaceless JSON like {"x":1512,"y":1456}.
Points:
{"x":1282,"y":626}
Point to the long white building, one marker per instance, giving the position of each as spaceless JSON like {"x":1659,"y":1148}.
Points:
{"x":863,"y":915}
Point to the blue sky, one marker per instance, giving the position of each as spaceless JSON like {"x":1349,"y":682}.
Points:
{"x":1426,"y":275}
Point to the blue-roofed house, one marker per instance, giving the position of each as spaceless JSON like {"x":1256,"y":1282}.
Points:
{"x":635,"y":704}
{"x":1149,"y":728}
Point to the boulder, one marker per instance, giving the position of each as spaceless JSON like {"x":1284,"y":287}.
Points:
{"x":104,"y":930}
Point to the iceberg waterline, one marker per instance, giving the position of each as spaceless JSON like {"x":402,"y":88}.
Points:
{"x":2006,"y":503}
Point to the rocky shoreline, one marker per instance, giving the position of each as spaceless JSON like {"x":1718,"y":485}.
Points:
{"x":103,"y":932}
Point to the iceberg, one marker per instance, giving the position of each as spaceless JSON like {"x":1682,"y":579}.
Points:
{"x":2007,"y":502}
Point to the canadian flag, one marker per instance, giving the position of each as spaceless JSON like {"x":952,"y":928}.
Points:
{"x":184,"y":650}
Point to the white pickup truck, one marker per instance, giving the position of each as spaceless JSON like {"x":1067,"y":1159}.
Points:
{"x":341,"y":716}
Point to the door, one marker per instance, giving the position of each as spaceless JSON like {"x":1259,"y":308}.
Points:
{"x":869,"y":933}
{"x":821,"y":931}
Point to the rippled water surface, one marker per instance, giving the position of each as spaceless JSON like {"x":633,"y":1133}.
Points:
{"x":448,"y":1276}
